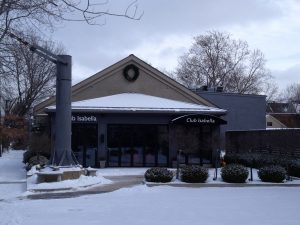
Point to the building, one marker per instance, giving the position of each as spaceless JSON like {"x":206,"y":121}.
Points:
{"x":283,"y":120}
{"x":283,"y":115}
{"x":131,"y":114}
{"x":244,"y":111}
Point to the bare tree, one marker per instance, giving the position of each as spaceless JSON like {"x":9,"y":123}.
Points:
{"x":20,"y":15}
{"x":271,"y":90}
{"x":292,"y":94}
{"x":26,"y":77}
{"x":215,"y":59}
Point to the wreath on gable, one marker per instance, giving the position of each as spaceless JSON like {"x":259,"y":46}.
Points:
{"x":131,"y":72}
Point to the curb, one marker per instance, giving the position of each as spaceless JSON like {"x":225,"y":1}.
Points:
{"x":13,"y":182}
{"x":62,"y":189}
{"x":203,"y":185}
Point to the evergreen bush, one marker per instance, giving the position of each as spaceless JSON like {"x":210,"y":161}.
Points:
{"x":294,"y":169}
{"x":272,"y":173}
{"x":234,"y":173}
{"x":36,"y":160}
{"x":158,"y":175}
{"x":258,"y":160}
{"x":194,"y":174}
{"x":29,"y":154}
{"x":230,"y":158}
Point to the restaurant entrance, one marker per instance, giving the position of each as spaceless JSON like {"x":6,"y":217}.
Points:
{"x":137,"y":145}
{"x":194,"y":143}
{"x":84,"y":143}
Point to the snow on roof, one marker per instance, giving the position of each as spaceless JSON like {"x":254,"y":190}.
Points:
{"x":135,"y":102}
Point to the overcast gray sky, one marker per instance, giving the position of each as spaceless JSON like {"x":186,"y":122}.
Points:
{"x":167,"y":28}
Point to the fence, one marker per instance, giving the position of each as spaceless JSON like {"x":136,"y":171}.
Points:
{"x":275,"y":142}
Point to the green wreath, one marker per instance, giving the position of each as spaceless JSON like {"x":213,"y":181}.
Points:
{"x":131,"y":72}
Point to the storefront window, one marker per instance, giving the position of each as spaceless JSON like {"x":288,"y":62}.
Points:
{"x":84,"y":143}
{"x":137,"y":145}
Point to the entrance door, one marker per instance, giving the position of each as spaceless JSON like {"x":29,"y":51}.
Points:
{"x":195,"y":143}
{"x":138,"y":145}
{"x":85,"y":143}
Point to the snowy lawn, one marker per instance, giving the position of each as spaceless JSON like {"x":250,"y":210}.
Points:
{"x":12,"y":175}
{"x":83,"y":181}
{"x":141,"y":205}
{"x":11,"y":166}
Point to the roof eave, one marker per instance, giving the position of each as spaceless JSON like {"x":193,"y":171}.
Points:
{"x":132,"y":110}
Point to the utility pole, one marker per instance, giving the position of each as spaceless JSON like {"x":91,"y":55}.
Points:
{"x":61,"y":155}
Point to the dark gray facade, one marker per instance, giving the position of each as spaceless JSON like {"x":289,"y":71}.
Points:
{"x":244,"y":112}
{"x":197,"y":142}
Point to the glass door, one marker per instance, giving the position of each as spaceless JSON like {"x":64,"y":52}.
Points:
{"x":85,"y":143}
{"x":137,"y":145}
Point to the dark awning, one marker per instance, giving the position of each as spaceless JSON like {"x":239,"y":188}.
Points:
{"x":198,"y":119}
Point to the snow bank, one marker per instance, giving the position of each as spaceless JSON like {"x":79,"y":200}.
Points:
{"x":83,"y":181}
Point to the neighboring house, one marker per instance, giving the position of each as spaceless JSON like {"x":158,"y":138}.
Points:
{"x":131,"y":114}
{"x":244,"y":111}
{"x":282,"y":115}
{"x":296,"y":106}
{"x":279,"y":107}
{"x":283,"y":120}
{"x":272,"y":122}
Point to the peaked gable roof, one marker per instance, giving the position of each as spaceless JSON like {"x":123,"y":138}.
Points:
{"x":134,"y":102}
{"x":109,"y":82}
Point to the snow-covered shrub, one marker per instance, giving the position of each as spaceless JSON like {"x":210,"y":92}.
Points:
{"x":283,"y":161}
{"x":29,"y":154}
{"x":272,"y":173}
{"x":159,"y":175}
{"x":234,"y":173}
{"x":194,"y":174}
{"x":36,"y":160}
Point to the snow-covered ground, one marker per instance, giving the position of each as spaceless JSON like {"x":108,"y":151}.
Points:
{"x":12,"y":175}
{"x":161,"y":206}
{"x":142,"y":205}
{"x":83,"y":181}
{"x":11,"y":166}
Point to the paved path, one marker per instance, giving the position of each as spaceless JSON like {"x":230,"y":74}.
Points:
{"x":12,"y":175}
{"x":119,"y":182}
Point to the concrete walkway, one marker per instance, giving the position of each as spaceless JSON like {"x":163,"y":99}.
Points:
{"x":118,"y":183}
{"x":12,"y":174}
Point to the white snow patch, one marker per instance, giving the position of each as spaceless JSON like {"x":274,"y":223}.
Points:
{"x":12,"y":175}
{"x":11,"y":166}
{"x":140,"y":102}
{"x":83,"y":181}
